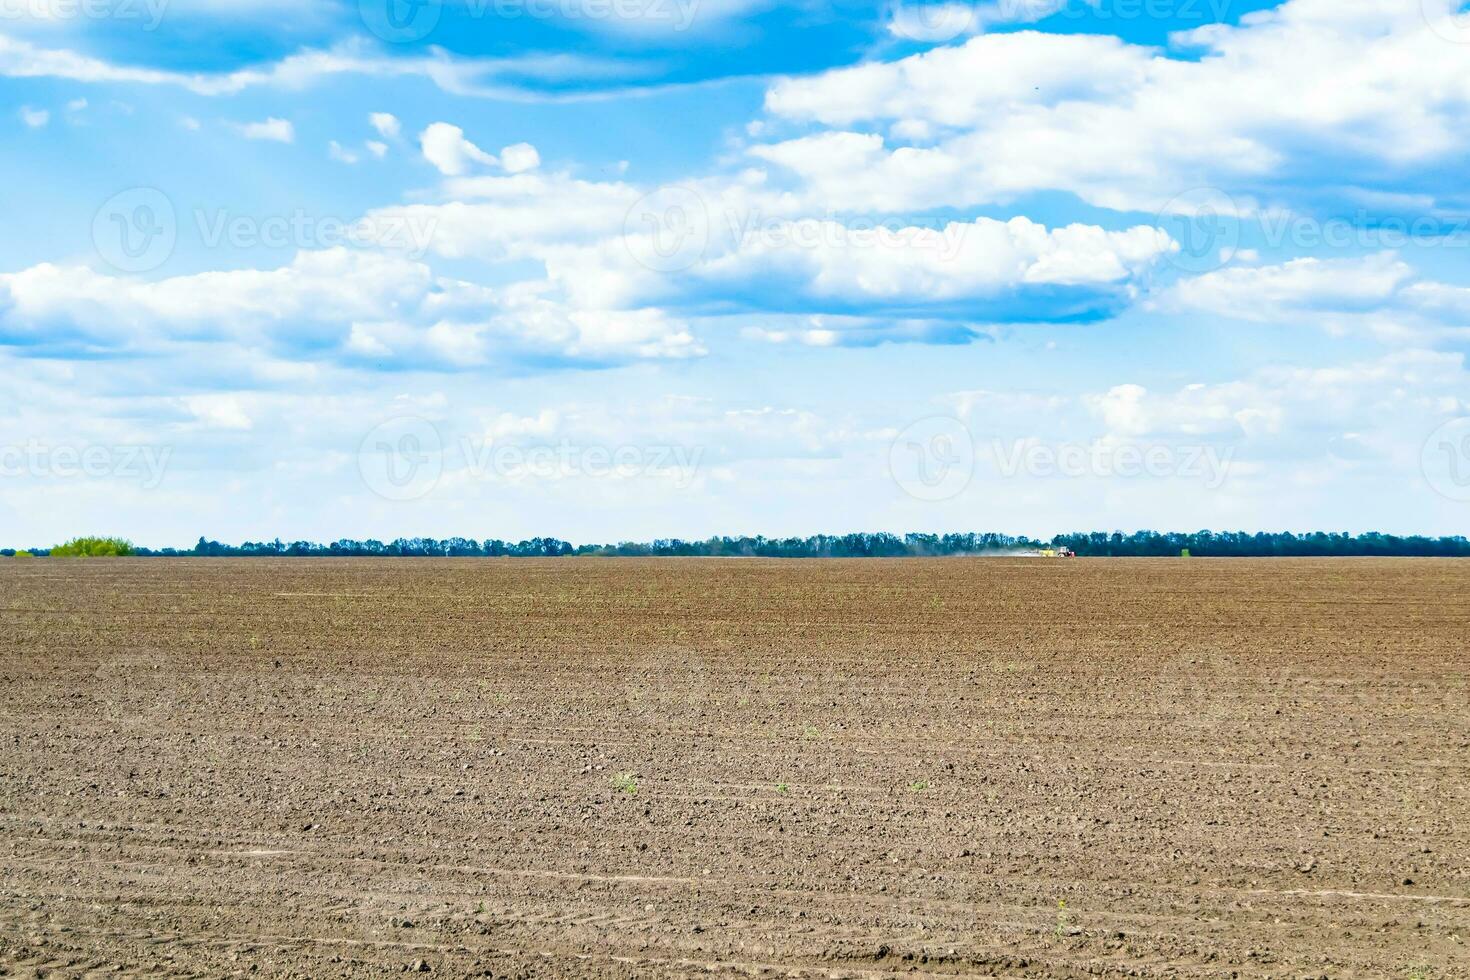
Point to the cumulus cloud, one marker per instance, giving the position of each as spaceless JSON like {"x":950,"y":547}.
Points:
{"x":1307,"y":284}
{"x":446,"y":147}
{"x":1367,"y":80}
{"x":218,"y":411}
{"x":336,"y":304}
{"x":453,"y":155}
{"x":493,"y":218}
{"x":386,"y":124}
{"x":519,"y":158}
{"x":939,"y":22}
{"x":1378,"y":295}
{"x":739,"y":247}
{"x":271,"y":130}
{"x":655,"y":17}
{"x":34,"y":118}
{"x":1291,"y":407}
{"x":504,"y":78}
{"x":984,"y":270}
{"x":826,"y":330}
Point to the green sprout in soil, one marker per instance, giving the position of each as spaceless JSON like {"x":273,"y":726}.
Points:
{"x":624,"y":782}
{"x":1064,"y":919}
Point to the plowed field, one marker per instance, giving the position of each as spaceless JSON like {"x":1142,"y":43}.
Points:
{"x":1021,"y":768}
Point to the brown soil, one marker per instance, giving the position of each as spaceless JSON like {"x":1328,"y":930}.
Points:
{"x":831,"y":769}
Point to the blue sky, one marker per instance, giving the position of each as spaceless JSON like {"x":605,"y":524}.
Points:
{"x":616,"y":269}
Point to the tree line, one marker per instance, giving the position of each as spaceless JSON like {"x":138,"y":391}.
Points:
{"x":1139,"y":544}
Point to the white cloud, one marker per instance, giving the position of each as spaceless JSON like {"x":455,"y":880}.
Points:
{"x":218,"y":411}
{"x":386,"y":124}
{"x":1276,"y":292}
{"x":34,"y":118}
{"x":494,"y":217}
{"x":520,"y":158}
{"x":1378,"y":296}
{"x":1439,"y":299}
{"x":272,"y":130}
{"x":1365,"y":79}
{"x":754,"y":252}
{"x":486,"y":77}
{"x":828,"y":330}
{"x":341,"y":154}
{"x":1291,"y":407}
{"x":655,"y":17}
{"x":379,"y":150}
{"x":940,"y":22}
{"x":981,"y":271}
{"x":915,"y":267}
{"x":446,"y":147}
{"x":333,"y":303}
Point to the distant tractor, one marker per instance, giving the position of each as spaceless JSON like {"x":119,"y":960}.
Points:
{"x":1058,"y":552}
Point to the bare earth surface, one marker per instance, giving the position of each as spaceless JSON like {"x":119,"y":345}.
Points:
{"x":806,"y":769}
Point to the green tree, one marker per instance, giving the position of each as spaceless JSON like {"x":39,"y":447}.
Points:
{"x":93,"y":548}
